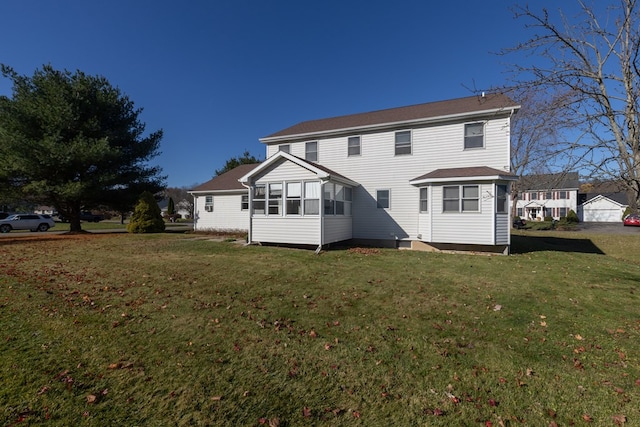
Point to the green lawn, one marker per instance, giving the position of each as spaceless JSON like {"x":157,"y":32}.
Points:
{"x":175,"y":329}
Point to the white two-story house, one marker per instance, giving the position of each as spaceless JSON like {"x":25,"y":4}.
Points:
{"x":428,"y":175}
{"x":548,"y":196}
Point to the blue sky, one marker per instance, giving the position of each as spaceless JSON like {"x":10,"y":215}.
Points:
{"x":218,"y":75}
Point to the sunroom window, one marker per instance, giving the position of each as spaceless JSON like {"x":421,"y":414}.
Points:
{"x":294,"y":196}
{"x":275,"y":198}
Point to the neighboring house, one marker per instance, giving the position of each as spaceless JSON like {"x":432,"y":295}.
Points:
{"x":222,"y":203}
{"x":427,"y":175}
{"x":607,"y":207}
{"x":547,"y":195}
{"x":181,"y":207}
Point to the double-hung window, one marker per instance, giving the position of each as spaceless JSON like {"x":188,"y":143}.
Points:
{"x":473,"y":135}
{"x":563,"y":195}
{"x":311,"y":151}
{"x":339,"y":199}
{"x":501,"y":198}
{"x":259,"y":199}
{"x":461,"y":198}
{"x":275,"y":198}
{"x":403,"y":142}
{"x":294,"y":196}
{"x":329,"y":199}
{"x":424,"y":199}
{"x":244,"y":202}
{"x":353,"y":146}
{"x":533,"y":195}
{"x":311,"y":198}
{"x":383,"y":199}
{"x":208,"y":203}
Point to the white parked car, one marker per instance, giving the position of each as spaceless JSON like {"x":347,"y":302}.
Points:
{"x":33,"y":222}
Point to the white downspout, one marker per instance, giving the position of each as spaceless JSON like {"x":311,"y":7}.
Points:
{"x":250,"y":231}
{"x":321,"y":213}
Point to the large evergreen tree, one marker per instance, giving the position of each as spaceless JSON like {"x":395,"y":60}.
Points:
{"x":75,"y":142}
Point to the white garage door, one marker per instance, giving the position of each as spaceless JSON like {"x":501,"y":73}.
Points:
{"x":602,"y":215}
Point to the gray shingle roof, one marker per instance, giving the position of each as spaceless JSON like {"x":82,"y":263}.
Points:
{"x":401,"y":114}
{"x":228,"y":180}
{"x":476,"y":171}
{"x":553,"y":181}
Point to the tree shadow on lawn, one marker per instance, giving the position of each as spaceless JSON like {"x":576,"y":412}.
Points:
{"x":526,"y":244}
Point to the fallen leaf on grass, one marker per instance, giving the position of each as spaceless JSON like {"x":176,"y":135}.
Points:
{"x":619,"y":419}
{"x":578,"y":337}
{"x":306,"y":412}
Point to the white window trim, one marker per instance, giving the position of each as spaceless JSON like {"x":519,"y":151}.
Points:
{"x":395,"y":144}
{"x":388,"y":190}
{"x":484,"y":136}
{"x":426,"y":190}
{"x":359,"y":146}
{"x":306,"y":152}
{"x":461,"y":198}
{"x":208,"y":206}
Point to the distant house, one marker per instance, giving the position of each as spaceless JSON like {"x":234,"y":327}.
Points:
{"x":181,"y":207}
{"x":547,"y":195}
{"x":607,"y":207}
{"x":432,"y":175}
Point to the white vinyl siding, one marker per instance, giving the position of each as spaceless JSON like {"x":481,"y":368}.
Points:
{"x":226,"y":216}
{"x":468,"y":228}
{"x":377,"y":167}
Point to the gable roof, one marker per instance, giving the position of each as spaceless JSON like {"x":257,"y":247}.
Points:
{"x":551,"y":181}
{"x":617,"y":198}
{"x":463,"y":174}
{"x":428,"y":112}
{"x":228,"y":181}
{"x":321,"y":171}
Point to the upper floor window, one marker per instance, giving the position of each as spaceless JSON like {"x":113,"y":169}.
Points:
{"x":548,"y":195}
{"x":208,"y":203}
{"x":311,"y":151}
{"x":403,"y":142}
{"x":353,"y":146}
{"x":501,"y":198}
{"x":533,"y":195}
{"x":284,"y":147}
{"x":473,"y":135}
{"x":424,"y":201}
{"x":563,"y":195}
{"x":382,"y":198}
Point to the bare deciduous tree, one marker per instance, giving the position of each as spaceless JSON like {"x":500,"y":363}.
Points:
{"x":594,"y":56}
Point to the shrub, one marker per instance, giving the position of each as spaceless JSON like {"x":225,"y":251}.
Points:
{"x":548,"y":219}
{"x":627,"y":211}
{"x":146,"y":217}
{"x":572,"y":217}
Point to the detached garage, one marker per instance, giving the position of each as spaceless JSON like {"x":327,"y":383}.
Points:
{"x":601,"y":208}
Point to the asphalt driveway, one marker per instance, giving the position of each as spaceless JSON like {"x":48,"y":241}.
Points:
{"x":607,"y":228}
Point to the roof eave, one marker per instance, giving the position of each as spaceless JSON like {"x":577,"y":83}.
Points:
{"x":234,"y":190}
{"x":390,"y":125}
{"x":464,"y":179}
